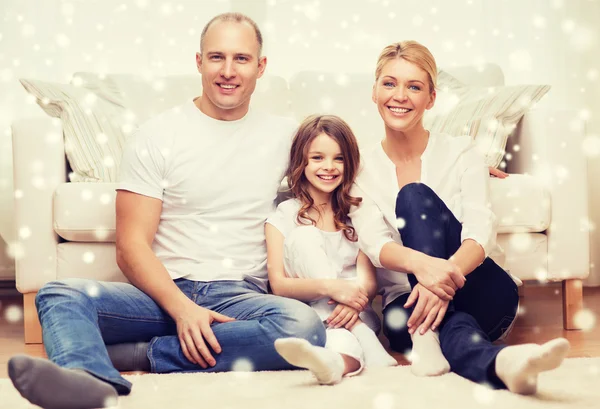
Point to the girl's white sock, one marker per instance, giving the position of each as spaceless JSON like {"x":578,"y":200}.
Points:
{"x":375,"y":354}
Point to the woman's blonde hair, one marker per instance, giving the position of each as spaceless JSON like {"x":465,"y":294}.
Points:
{"x":412,"y":52}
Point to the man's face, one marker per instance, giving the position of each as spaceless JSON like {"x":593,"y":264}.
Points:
{"x":230,"y":65}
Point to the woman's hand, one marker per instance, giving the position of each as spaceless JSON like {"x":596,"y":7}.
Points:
{"x":440,"y":276}
{"x":343,"y":316}
{"x":498,"y":173}
{"x":349,"y":293}
{"x":429,"y":311}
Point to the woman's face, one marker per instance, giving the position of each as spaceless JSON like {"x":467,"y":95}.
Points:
{"x":402,"y":95}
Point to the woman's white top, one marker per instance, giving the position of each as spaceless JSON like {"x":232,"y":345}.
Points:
{"x":453,"y":168}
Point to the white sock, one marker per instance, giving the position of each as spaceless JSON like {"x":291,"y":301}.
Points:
{"x":426,"y":356}
{"x":327,"y":366}
{"x":375,"y":354}
{"x":518,"y":366}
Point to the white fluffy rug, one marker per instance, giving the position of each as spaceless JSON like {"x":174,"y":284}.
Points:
{"x":576,"y":384}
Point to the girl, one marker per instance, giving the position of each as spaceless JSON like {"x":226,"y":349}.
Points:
{"x":313,"y":254}
{"x":426,"y":216}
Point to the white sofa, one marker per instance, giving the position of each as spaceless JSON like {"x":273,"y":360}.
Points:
{"x":69,"y":228}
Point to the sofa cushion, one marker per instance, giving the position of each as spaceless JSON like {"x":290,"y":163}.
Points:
{"x":85,"y":211}
{"x":99,"y":112}
{"x":526,"y":255}
{"x":96,"y":261}
{"x":488,"y":114}
{"x":95,"y":126}
{"x":521,"y":204}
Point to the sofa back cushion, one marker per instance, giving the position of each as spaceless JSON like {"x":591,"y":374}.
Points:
{"x":488,"y":111}
{"x":99,"y":113}
{"x":95,"y":126}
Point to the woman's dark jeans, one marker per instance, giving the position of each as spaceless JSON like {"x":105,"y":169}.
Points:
{"x":479,"y":313}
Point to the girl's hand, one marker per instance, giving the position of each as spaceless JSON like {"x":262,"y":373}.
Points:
{"x":343,"y":316}
{"x":349,"y":293}
{"x":429,"y":311}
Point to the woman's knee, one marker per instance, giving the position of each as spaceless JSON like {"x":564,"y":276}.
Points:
{"x":413,"y":198}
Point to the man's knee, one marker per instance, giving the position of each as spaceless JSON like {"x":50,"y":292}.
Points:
{"x":71,"y":289}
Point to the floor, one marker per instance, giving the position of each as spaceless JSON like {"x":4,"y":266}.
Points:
{"x":540,"y":319}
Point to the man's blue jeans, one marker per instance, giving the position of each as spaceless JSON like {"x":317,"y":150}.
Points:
{"x":480,"y":312}
{"x":80,"y":316}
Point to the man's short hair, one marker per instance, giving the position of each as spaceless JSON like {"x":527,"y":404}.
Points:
{"x":238,"y":18}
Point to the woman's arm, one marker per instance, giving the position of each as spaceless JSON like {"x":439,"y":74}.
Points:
{"x":365,"y":274}
{"x":468,"y":257}
{"x":438,"y":275}
{"x":478,"y":234}
{"x":306,"y":289}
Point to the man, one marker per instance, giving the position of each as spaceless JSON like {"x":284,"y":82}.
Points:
{"x":197,"y":184}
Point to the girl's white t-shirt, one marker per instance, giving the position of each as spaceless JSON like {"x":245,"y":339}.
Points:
{"x":341,"y":252}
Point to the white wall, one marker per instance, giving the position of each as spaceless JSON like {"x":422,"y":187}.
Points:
{"x":535,"y":41}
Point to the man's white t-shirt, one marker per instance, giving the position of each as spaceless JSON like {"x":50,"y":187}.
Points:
{"x":217,"y":181}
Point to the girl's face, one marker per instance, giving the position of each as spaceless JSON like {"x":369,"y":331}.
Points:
{"x":402,"y":95}
{"x":325,"y":169}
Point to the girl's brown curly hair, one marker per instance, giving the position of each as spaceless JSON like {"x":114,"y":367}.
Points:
{"x":338,"y":130}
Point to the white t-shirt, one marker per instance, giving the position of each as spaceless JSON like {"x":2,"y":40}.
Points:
{"x":218,"y":181}
{"x":454,"y":169}
{"x":341,"y":252}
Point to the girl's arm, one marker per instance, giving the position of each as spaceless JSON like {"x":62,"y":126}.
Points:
{"x":344,"y":315}
{"x":306,"y":289}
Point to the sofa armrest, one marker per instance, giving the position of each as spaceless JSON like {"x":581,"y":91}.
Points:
{"x":550,"y":148}
{"x":39,"y":165}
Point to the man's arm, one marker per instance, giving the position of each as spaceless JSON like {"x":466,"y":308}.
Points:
{"x":137,"y":221}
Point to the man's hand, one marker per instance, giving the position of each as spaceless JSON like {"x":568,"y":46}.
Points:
{"x":194,"y":331}
{"x":349,"y":293}
{"x":430,"y":309}
{"x":342,"y":316}
{"x":440,"y":276}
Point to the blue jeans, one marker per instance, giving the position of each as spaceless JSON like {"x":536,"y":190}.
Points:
{"x":480,"y":312}
{"x":80,"y":316}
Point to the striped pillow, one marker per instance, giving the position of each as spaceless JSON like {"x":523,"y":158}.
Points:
{"x":488,"y":115}
{"x":95,"y":126}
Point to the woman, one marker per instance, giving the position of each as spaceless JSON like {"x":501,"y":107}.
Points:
{"x":426,"y":218}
